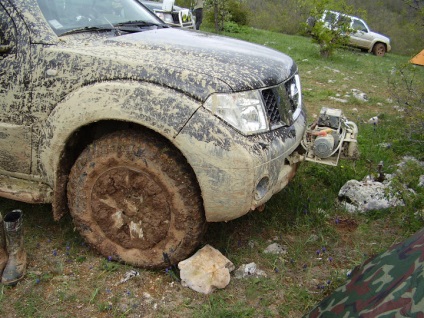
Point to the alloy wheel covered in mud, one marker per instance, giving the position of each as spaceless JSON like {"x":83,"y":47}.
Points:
{"x":134,"y":198}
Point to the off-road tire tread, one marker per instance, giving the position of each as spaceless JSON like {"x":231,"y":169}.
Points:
{"x":128,"y":143}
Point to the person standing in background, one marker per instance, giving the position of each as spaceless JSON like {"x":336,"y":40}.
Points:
{"x":198,"y":12}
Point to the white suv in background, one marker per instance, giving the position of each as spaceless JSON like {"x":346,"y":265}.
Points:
{"x":174,"y":17}
{"x":361,"y":35}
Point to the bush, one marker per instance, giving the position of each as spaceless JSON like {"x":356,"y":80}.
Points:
{"x":328,"y":38}
{"x":238,"y":12}
{"x":220,"y":12}
{"x":408,"y":92}
{"x":232,"y":27}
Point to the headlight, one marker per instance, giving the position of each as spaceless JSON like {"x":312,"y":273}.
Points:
{"x":244,"y":111}
{"x":296,"y":93}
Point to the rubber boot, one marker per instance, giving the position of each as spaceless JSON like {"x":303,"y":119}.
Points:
{"x":16,"y":264}
{"x":3,"y":253}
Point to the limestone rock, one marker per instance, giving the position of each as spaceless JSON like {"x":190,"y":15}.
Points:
{"x":275,"y":248}
{"x":367,"y":195}
{"x":340,"y":100}
{"x":373,"y":120}
{"x":206,"y":270}
{"x":421,"y":182}
{"x":249,"y":270}
{"x":357,"y":94}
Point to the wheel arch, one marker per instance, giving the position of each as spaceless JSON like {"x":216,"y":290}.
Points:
{"x":100,"y":109}
{"x":375,"y":43}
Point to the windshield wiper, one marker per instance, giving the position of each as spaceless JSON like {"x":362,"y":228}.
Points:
{"x":139,"y":23}
{"x":128,"y":26}
{"x":88,"y":29}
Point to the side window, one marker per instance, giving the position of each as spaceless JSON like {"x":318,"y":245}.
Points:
{"x":7,"y":32}
{"x":330,"y":18}
{"x":344,"y":20}
{"x":359,"y":26}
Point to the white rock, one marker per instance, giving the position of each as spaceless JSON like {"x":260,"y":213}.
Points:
{"x":340,"y":100}
{"x":411,"y":159}
{"x":399,"y":109}
{"x":367,"y":195}
{"x":206,"y":270}
{"x":421,"y":182}
{"x":249,"y":270}
{"x":373,"y":120}
{"x":275,"y":248}
{"x":359,"y":95}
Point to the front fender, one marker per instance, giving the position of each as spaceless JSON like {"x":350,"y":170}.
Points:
{"x":161,"y":109}
{"x":388,"y":47}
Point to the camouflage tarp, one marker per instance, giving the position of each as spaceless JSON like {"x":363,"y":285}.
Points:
{"x":388,"y":285}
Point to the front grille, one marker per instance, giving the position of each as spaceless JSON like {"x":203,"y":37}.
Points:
{"x":271,"y":104}
{"x":281,"y":102}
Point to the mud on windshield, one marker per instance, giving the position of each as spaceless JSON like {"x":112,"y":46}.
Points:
{"x":67,"y":15}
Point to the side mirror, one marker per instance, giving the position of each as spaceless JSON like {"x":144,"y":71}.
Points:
{"x":5,"y":48}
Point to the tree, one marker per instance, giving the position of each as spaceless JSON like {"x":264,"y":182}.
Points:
{"x":327,"y":29}
{"x":219,"y":13}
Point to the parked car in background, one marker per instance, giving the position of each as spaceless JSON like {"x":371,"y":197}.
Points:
{"x":360,"y":34}
{"x":177,"y":17}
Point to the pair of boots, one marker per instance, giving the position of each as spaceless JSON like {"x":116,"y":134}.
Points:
{"x":12,"y":253}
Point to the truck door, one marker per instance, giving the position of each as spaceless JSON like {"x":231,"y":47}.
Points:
{"x":15,"y":122}
{"x":360,"y":36}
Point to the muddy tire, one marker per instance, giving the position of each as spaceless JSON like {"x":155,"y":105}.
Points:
{"x":135,"y":199}
{"x":379,"y":49}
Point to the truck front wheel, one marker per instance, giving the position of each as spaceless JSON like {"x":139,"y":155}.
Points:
{"x":379,"y":49}
{"x":135,"y":199}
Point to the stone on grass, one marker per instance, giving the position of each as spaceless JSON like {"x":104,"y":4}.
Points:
{"x":275,"y":248}
{"x":249,"y":270}
{"x":373,"y":120}
{"x":357,"y":94}
{"x":340,"y":100}
{"x":368,"y":195}
{"x":206,"y":270}
{"x":421,"y":182}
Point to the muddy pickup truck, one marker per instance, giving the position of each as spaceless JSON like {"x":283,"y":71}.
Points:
{"x":143,"y":132}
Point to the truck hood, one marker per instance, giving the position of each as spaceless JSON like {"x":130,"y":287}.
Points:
{"x":195,"y":62}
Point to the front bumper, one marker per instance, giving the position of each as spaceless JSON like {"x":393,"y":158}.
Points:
{"x":238,"y":173}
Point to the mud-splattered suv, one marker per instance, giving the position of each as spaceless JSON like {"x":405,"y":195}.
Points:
{"x":146,"y":132}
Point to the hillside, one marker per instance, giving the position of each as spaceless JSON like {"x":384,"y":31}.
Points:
{"x":398,"y":19}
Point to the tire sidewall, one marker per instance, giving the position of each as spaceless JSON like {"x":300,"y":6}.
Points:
{"x":143,"y":157}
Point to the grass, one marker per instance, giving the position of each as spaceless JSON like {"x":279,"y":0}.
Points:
{"x":66,"y":278}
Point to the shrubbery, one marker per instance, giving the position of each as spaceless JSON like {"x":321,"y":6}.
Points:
{"x":408,"y":93}
{"x":394,"y":18}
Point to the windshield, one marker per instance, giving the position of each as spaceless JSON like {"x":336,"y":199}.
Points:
{"x":68,"y":15}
